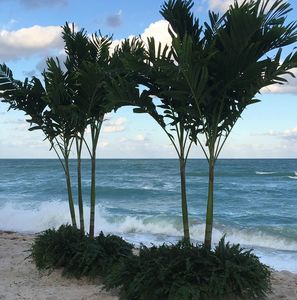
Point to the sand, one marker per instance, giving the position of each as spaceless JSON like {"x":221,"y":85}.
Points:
{"x":19,"y":279}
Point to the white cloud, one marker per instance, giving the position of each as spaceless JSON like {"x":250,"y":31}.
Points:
{"x":115,"y":126}
{"x":28,"y":41}
{"x":288,"y":88}
{"x":290,"y":134}
{"x":11,"y":121}
{"x":158,"y":30}
{"x":221,"y":5}
{"x":140,"y":138}
{"x":103,"y":144}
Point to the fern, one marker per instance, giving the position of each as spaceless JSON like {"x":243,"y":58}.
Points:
{"x":189,"y":272}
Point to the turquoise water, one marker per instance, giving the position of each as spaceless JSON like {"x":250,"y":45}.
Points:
{"x":255,"y":201}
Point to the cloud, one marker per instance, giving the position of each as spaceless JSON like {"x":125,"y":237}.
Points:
{"x":103,"y":144}
{"x":114,"y":20}
{"x":288,"y":134}
{"x":42,"y":63}
{"x":29,"y":41}
{"x":223,"y":5}
{"x":30,"y":73}
{"x":115,"y":126}
{"x":12,"y":121}
{"x":140,"y":137}
{"x":158,"y":30}
{"x":288,"y":88}
{"x":135,"y":140}
{"x":39,"y":3}
{"x":9,"y":24}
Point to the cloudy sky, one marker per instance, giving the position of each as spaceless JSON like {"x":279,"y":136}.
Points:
{"x":30,"y":31}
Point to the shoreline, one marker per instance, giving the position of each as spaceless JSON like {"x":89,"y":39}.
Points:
{"x":19,"y":278}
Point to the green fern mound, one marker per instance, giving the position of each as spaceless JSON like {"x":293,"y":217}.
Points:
{"x":188,"y":272}
{"x":78,"y":256}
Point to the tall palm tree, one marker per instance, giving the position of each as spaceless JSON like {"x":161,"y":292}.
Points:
{"x":239,"y":64}
{"x":154,"y":68}
{"x":60,"y":92}
{"x":45,"y":107}
{"x":89,"y":58}
{"x":78,"y":49}
{"x":72,"y":99}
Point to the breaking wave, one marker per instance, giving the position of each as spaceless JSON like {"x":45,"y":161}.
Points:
{"x":148,"y":229}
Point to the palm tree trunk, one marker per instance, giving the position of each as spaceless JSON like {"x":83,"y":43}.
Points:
{"x":69,"y":190}
{"x":95,"y":131}
{"x":95,"y":134}
{"x":93,"y":194}
{"x":209,"y":212}
{"x":184,"y":205}
{"x":79,"y":143}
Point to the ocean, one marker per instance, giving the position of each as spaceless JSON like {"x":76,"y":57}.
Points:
{"x":139,"y":199}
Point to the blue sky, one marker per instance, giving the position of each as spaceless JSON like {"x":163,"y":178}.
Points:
{"x":30,"y":32}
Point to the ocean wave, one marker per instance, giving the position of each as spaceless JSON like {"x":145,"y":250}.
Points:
{"x":148,"y":229}
{"x":265,"y":173}
{"x":292,"y":177}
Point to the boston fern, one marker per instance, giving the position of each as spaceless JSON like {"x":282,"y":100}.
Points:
{"x":95,"y":257}
{"x":53,"y":248}
{"x":188,"y":272}
{"x":78,"y":255}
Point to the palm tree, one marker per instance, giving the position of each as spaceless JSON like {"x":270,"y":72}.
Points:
{"x":92,"y":78}
{"x":155,"y":69}
{"x":78,"y":49}
{"x":239,"y":64}
{"x":71,"y":100}
{"x":46,"y":110}
{"x":59,"y":95}
{"x":89,"y":59}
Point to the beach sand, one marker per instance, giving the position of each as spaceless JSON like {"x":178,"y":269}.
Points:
{"x":19,"y":279}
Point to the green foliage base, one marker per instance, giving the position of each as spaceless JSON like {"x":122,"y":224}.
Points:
{"x":188,"y":272}
{"x":78,"y":255}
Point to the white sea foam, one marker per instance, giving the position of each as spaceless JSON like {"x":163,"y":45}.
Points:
{"x":292,"y":177}
{"x":265,"y":173}
{"x":52,"y":214}
{"x":147,"y":230}
{"x":255,"y":239}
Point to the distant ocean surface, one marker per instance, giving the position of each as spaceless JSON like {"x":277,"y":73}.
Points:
{"x":255,"y":201}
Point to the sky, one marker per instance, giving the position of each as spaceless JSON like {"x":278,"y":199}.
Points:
{"x":30,"y":31}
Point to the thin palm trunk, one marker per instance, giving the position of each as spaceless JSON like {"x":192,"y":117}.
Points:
{"x":93,"y":194}
{"x":79,"y":143}
{"x":95,"y":131}
{"x":209,"y":211}
{"x":69,"y":190}
{"x":182,"y":138}
{"x":184,"y":205}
